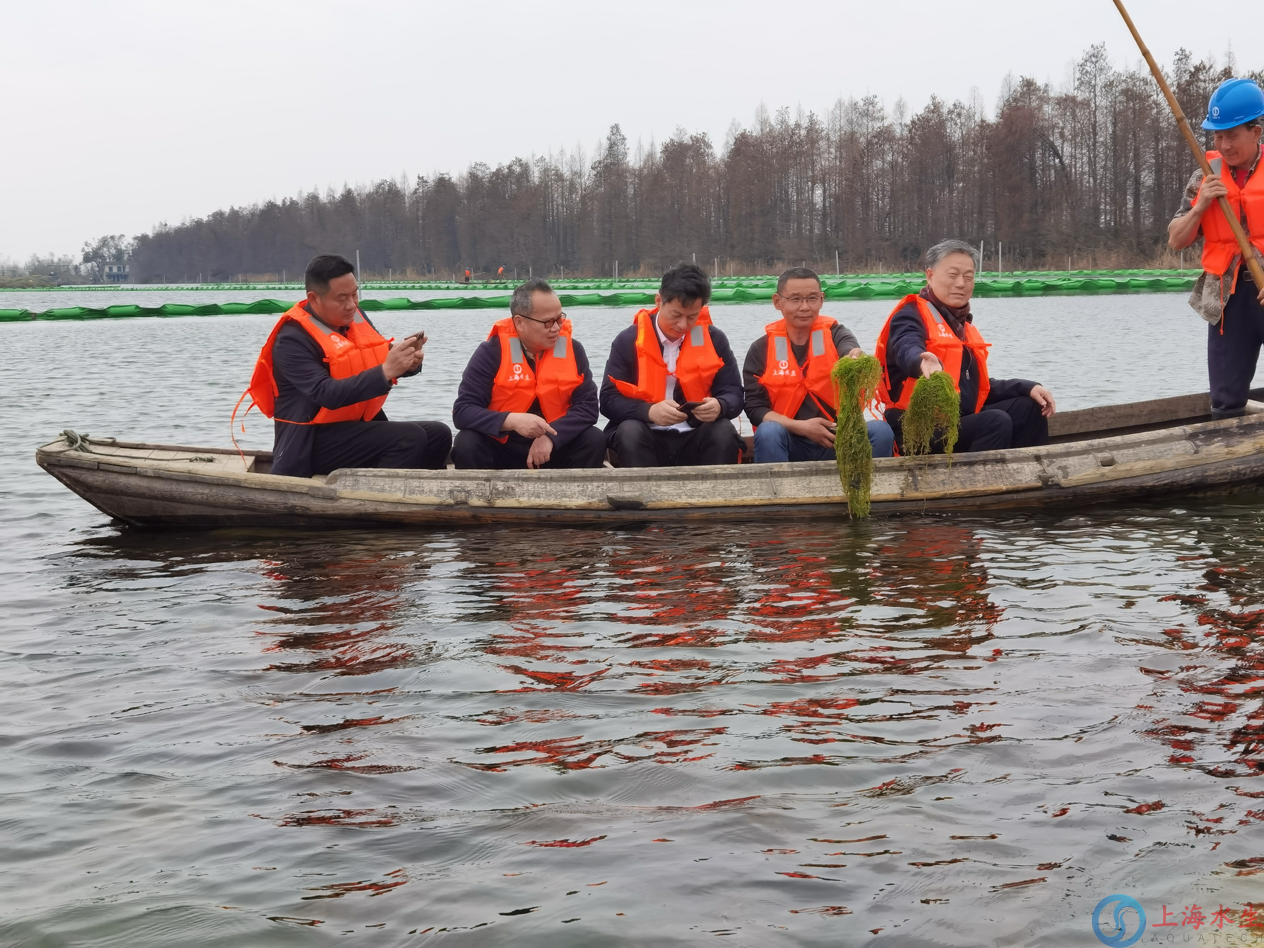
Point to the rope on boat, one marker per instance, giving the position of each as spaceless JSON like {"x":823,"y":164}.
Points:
{"x":82,"y":442}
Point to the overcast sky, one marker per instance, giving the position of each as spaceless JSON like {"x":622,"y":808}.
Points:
{"x":118,"y":115}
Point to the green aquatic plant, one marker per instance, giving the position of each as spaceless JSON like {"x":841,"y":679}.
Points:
{"x":855,"y":385}
{"x":934,"y":408}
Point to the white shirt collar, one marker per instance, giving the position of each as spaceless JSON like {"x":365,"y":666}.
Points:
{"x":662,"y":339}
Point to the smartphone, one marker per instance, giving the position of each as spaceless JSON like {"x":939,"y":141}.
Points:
{"x":689,"y":407}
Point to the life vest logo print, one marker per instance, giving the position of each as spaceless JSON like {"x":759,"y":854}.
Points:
{"x":518,"y":374}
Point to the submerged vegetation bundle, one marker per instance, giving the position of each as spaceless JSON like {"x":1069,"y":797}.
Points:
{"x":934,"y":409}
{"x":855,"y":384}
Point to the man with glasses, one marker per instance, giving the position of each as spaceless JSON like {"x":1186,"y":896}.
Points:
{"x":527,"y":398}
{"x":790,"y":396}
{"x":672,"y":383}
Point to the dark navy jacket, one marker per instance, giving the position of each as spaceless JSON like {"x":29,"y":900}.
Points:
{"x":304,"y":388}
{"x":726,"y":387}
{"x":475,"y":393}
{"x":906,"y":342}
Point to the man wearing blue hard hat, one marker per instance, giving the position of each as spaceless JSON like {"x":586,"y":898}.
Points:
{"x":1225,"y":294}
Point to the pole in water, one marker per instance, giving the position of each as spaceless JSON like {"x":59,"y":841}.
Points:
{"x":837,"y":270}
{"x":359,"y":278}
{"x":1182,"y":259}
{"x":717,"y":268}
{"x":1000,"y":258}
{"x":980,"y":258}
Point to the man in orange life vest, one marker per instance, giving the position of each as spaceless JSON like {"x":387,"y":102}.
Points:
{"x":935,"y":330}
{"x":527,"y":398}
{"x":324,"y":374}
{"x":1225,"y":294}
{"x":790,"y":395}
{"x":672,"y":382}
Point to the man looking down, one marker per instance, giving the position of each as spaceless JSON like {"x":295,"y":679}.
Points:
{"x":935,"y":330}
{"x":323,"y":376}
{"x":790,"y":394}
{"x":672,"y":382}
{"x":527,"y":398}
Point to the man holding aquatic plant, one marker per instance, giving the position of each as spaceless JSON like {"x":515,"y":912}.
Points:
{"x":933,"y":331}
{"x":323,"y":376}
{"x":527,"y":398}
{"x":791,"y":396}
{"x":1225,"y":295}
{"x":672,"y":382}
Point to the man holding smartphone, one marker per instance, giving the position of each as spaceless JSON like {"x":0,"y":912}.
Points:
{"x":672,"y":383}
{"x":323,"y":376}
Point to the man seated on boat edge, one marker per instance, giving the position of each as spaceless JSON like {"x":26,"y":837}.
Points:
{"x":790,"y":393}
{"x":527,"y":398}
{"x":670,"y":358}
{"x":1225,"y":294}
{"x":935,"y":330}
{"x":323,"y":376}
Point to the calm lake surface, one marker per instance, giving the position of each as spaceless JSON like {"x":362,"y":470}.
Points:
{"x":909,"y":731}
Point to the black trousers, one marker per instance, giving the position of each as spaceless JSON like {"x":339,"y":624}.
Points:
{"x":474,"y":451}
{"x":1233,"y":353}
{"x":400,"y":444}
{"x":639,"y":445}
{"x":1008,"y":423}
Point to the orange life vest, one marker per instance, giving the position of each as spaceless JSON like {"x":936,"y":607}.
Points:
{"x":362,"y":348}
{"x":696,"y":365}
{"x":787,"y":383}
{"x":1219,"y":246}
{"x":942,"y":343}
{"x":553,"y":380}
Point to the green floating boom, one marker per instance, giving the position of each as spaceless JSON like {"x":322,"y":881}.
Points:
{"x":748,"y":290}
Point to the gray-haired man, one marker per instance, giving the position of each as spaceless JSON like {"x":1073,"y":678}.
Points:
{"x":935,"y":330}
{"x":527,"y":398}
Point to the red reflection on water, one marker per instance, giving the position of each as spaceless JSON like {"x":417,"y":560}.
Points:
{"x":348,"y":723}
{"x":348,"y":764}
{"x":554,"y":680}
{"x":565,"y":843}
{"x":1226,"y":690}
{"x":355,"y":601}
{"x":336,"y":818}
{"x":574,"y":753}
{"x":336,"y":890}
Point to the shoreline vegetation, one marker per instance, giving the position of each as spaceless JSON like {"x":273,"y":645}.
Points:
{"x":1084,"y":174}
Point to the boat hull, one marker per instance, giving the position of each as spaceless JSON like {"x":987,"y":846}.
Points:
{"x":175,"y":486}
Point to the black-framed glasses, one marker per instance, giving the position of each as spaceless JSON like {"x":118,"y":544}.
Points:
{"x":546,"y":323}
{"x":812,"y":299}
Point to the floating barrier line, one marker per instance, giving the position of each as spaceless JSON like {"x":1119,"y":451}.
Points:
{"x":749,"y":292}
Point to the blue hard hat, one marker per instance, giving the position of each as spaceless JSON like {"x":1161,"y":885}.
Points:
{"x":1235,"y":102}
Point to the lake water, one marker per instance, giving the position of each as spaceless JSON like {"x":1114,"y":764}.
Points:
{"x":909,"y":731}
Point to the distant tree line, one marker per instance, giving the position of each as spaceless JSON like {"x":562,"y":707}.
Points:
{"x":1092,"y":171}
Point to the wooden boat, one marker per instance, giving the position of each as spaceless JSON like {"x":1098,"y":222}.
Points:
{"x":1168,"y":446}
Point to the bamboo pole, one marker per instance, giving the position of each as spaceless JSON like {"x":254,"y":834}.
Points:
{"x":1244,"y":244}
